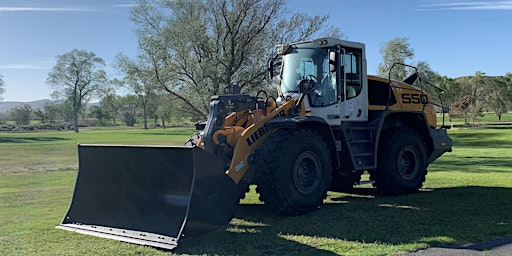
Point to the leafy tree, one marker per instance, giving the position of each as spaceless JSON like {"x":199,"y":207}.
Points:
{"x":397,"y":50}
{"x":85,"y":102}
{"x":21,"y":114}
{"x":167,"y":110}
{"x":498,"y":94}
{"x":40,"y":115}
{"x":462,"y":107}
{"x":65,"y":110}
{"x":477,"y":88}
{"x":471,"y":100}
{"x":164,"y":112}
{"x":75,"y":77}
{"x":48,"y":113}
{"x":129,"y":109}
{"x":2,"y":86}
{"x":138,"y":80}
{"x":101,"y":115}
{"x":111,"y":104}
{"x":452,"y":91}
{"x":195,"y":48}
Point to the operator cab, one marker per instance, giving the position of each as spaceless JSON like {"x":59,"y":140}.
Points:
{"x":337,"y":71}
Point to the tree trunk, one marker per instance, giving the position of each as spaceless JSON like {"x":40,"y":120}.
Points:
{"x":75,"y":120}
{"x":163,"y":123}
{"x":145,"y":118}
{"x":75,"y":111}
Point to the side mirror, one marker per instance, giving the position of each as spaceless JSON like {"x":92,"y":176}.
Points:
{"x":332,"y":61}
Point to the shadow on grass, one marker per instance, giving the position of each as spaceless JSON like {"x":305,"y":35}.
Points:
{"x":29,"y":139}
{"x":479,"y":139}
{"x":477,"y":164}
{"x":437,"y":217}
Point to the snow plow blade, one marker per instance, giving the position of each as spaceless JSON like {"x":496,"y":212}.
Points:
{"x":155,"y":196}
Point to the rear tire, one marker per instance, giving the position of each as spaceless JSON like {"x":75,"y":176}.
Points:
{"x":402,"y":163}
{"x":293,"y":171}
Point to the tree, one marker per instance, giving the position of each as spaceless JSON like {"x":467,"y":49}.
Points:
{"x":477,"y":88}
{"x":111,"y":104}
{"x":164,"y":112}
{"x":101,"y":115}
{"x":65,"y":110}
{"x":397,"y":50}
{"x":471,"y":101}
{"x":130,"y":109}
{"x":463,"y":107}
{"x":21,"y":114}
{"x":138,"y":80}
{"x":196,"y":48}
{"x":75,"y":77}
{"x":2,"y":86}
{"x":48,"y":114}
{"x":452,"y":92}
{"x":167,"y":109}
{"x":498,"y":94}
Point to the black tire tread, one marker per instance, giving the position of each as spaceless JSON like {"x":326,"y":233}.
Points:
{"x":385,"y":183}
{"x":267,"y":165}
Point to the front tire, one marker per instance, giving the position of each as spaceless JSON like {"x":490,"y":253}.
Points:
{"x":402,"y":163}
{"x":293,"y":171}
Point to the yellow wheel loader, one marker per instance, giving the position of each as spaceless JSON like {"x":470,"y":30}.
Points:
{"x":329,"y":123}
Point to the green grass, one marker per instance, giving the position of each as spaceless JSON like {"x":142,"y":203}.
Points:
{"x":58,"y":149}
{"x":487,"y":119}
{"x":466,"y":198}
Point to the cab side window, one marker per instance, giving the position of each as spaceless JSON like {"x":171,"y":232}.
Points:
{"x":352,"y":77}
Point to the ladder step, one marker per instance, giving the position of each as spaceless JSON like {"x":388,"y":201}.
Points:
{"x":361,"y":141}
{"x":359,"y":128}
{"x":363,"y":154}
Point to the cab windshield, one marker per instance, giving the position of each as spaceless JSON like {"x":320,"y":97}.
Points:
{"x":311,"y":64}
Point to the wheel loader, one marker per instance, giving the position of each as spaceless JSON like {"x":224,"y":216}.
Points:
{"x":329,"y":124}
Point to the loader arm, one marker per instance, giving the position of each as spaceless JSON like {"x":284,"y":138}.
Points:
{"x":238,"y":124}
{"x":252,"y":137}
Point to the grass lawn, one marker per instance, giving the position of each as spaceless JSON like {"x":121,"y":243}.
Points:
{"x":58,"y":149}
{"x":467,"y":197}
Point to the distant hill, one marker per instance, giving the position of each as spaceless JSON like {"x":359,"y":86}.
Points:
{"x":6,"y":106}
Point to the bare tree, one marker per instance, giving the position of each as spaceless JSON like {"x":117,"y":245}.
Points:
{"x":75,"y":77}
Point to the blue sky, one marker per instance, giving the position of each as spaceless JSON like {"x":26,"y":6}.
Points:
{"x":456,"y":37}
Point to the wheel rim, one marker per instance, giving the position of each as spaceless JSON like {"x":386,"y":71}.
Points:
{"x":307,"y":172}
{"x":407,"y":162}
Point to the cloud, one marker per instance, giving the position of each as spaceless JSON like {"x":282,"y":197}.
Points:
{"x":125,"y":5}
{"x":469,"y":5}
{"x":31,"y":65}
{"x":42,"y":9}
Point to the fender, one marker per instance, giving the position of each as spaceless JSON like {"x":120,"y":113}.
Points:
{"x":436,"y":139}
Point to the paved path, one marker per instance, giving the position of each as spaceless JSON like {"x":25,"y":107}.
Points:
{"x":495,"y":247}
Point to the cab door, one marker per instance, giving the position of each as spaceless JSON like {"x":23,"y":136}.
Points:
{"x":353,"y":83}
